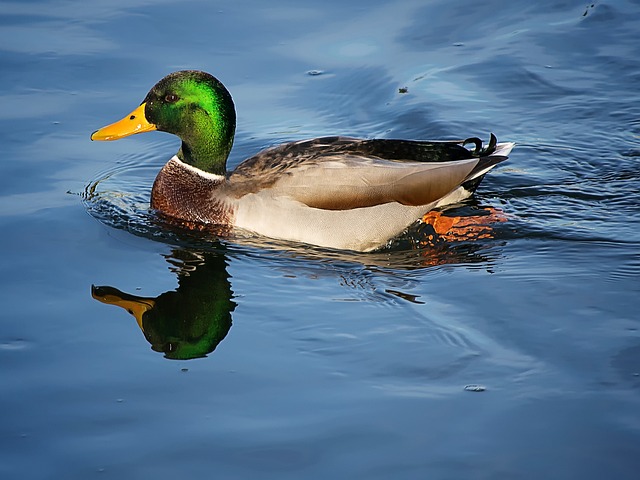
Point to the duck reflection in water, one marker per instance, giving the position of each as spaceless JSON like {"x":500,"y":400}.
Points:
{"x":192,"y":320}
{"x":189,"y":322}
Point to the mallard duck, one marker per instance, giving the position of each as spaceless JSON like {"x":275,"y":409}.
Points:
{"x":337,"y":192}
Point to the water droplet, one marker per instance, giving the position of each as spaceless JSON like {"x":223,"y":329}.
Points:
{"x":13,"y":345}
{"x":475,"y":388}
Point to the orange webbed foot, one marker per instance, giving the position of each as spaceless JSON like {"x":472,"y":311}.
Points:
{"x":464,"y":228}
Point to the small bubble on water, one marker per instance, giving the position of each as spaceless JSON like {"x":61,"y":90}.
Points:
{"x":475,"y":388}
{"x":17,"y":344}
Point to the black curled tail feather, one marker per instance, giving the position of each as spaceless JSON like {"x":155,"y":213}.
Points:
{"x":484,"y":165}
{"x":480,"y":150}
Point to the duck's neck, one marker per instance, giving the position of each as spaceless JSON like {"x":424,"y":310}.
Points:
{"x":209,"y":160}
{"x":208,"y":142}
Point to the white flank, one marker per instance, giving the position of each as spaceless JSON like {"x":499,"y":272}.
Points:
{"x":360,"y":229}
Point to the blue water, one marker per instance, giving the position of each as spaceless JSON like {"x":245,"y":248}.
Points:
{"x":334,"y":365}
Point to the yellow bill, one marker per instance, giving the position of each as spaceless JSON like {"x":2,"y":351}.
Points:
{"x":136,"y":306}
{"x":133,"y":123}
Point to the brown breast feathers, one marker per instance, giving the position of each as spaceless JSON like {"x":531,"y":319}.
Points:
{"x":189,"y":196}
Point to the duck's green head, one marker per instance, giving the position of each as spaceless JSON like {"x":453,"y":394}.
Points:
{"x":191,"y":104}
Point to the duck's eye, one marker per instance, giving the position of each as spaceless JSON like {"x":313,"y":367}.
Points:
{"x":171,"y":98}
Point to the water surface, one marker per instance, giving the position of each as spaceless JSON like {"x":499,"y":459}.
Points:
{"x":317,"y":363}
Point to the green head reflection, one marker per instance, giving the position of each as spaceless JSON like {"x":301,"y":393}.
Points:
{"x":192,"y":320}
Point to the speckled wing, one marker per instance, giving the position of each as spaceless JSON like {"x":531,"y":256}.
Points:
{"x":340,"y":173}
